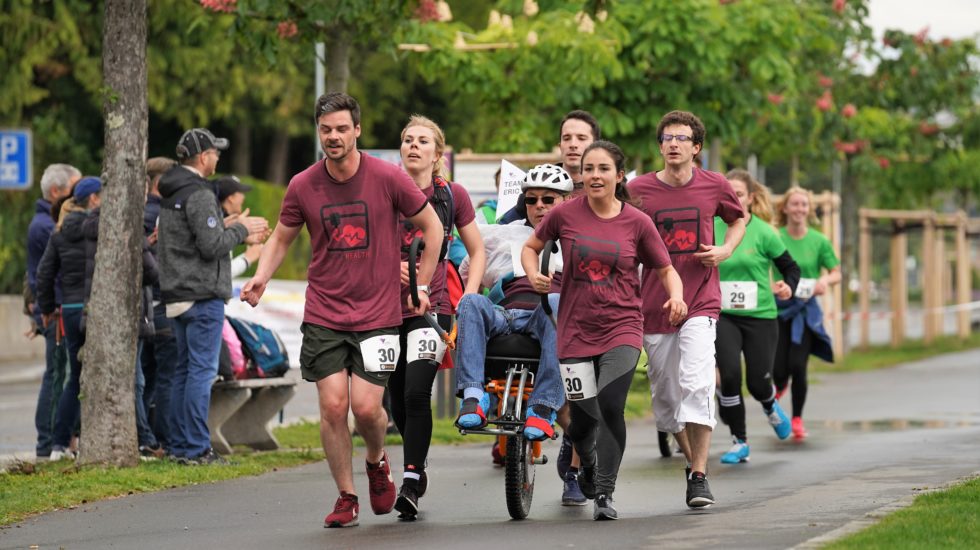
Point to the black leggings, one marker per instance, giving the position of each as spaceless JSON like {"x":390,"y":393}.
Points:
{"x":598,"y":429}
{"x":411,"y":396}
{"x":756,"y":338}
{"x":791,"y":360}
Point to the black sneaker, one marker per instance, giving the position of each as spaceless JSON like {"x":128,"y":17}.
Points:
{"x":407,"y":503}
{"x":423,"y":483}
{"x":586,"y":481}
{"x":603,"y":508}
{"x":209,"y":457}
{"x":698,"y":493}
{"x":151,"y":453}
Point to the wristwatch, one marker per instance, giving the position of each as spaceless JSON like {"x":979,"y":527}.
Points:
{"x":424,"y":288}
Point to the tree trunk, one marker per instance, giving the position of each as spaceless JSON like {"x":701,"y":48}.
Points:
{"x":338,"y":60}
{"x":241,"y":159}
{"x":279,"y":158}
{"x":108,"y":405}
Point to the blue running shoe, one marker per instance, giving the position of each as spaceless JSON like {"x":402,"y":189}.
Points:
{"x":571,"y":494}
{"x":473,"y":412}
{"x":564,"y":461}
{"x":738,"y":453}
{"x":779,"y":421}
{"x":537,"y":427}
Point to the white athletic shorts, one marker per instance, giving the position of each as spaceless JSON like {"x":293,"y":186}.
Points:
{"x":682,"y":374}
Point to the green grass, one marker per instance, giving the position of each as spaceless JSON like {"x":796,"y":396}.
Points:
{"x":943,"y":519}
{"x":877,"y":357}
{"x":32,"y":489}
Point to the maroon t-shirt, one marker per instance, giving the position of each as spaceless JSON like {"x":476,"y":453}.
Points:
{"x":354,"y":276}
{"x":519,"y":293}
{"x":462,"y":216}
{"x":684,"y":216}
{"x":600,"y":291}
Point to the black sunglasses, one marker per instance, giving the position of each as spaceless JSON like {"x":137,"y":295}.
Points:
{"x":531,"y":201}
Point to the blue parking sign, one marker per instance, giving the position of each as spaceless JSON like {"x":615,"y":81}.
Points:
{"x":15,"y":159}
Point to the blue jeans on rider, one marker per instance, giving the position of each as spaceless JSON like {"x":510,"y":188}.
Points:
{"x":198,"y":332}
{"x":479,"y":320}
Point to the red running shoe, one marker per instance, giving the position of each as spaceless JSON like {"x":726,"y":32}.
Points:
{"x":799,"y":432}
{"x":381,"y":486}
{"x":344,"y":512}
{"x":495,"y":454}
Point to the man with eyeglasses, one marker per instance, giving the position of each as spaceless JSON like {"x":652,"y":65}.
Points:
{"x":513,"y":306}
{"x":683,"y":199}
{"x":193,"y":249}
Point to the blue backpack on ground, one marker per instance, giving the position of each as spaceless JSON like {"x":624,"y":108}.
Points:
{"x":262,"y":346}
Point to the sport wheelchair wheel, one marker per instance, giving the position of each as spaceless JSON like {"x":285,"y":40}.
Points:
{"x":519,"y":476}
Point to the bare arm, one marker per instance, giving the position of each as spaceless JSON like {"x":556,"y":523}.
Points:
{"x":272,"y":255}
{"x":473,"y":241}
{"x":711,"y":256}
{"x":529,"y":259}
{"x":674,"y":306}
{"x":832,"y":277}
{"x":428,"y":221}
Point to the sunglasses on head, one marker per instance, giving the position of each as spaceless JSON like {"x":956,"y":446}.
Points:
{"x":531,"y":201}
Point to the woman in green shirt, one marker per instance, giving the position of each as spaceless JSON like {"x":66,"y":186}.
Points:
{"x":801,"y":331}
{"x":747,"y":324}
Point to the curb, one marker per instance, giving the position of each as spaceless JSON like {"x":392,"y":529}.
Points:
{"x":24,"y":375}
{"x":875,"y":516}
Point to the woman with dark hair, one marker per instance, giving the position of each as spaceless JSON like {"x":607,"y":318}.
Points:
{"x":747,"y":323}
{"x":604,"y":239}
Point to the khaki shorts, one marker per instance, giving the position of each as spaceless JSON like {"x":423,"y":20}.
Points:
{"x":326,"y":351}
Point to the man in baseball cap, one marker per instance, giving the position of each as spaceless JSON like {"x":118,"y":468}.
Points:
{"x":199,"y":140}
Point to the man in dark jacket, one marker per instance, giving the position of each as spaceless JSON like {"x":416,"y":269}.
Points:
{"x":195,"y":281}
{"x":56,"y":182}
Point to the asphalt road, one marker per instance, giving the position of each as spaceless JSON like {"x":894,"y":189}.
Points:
{"x":876,"y":437}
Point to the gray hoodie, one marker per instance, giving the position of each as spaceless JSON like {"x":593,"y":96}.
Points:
{"x":194,"y":243}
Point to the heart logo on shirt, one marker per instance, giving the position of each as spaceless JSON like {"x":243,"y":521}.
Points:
{"x":350,"y":235}
{"x":594,"y":269}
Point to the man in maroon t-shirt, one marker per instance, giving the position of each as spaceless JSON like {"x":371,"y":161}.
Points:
{"x":683,"y":200}
{"x":350,"y":204}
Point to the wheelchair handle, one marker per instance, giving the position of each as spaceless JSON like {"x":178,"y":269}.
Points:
{"x":550,"y":247}
{"x":413,"y":288}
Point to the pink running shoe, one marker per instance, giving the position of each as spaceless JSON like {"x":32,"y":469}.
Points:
{"x":799,"y":432}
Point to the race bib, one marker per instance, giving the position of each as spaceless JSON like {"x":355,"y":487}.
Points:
{"x":742,"y":295}
{"x":579,"y":380}
{"x":804,"y":290}
{"x":380,"y":353}
{"x":424,"y":345}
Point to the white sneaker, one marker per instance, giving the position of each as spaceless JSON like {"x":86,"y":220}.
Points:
{"x":61,"y":454}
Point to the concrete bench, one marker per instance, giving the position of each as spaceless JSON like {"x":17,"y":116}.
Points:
{"x":241,"y":410}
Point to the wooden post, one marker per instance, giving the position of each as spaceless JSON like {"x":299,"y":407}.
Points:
{"x":928,"y":278}
{"x":939,"y":284}
{"x":963,"y":279}
{"x":864,"y":268}
{"x":899,"y":298}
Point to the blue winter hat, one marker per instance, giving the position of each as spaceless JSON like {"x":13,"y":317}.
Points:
{"x":86,"y":186}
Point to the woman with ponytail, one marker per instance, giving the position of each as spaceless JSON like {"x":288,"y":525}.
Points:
{"x":603,"y":241}
{"x":747,"y":324}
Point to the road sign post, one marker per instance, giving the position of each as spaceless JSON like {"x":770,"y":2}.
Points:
{"x":15,"y":159}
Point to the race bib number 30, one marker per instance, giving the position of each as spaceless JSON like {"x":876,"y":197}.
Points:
{"x":424,"y":345}
{"x":579,"y":380}
{"x":741,"y":295}
{"x":380,"y":353}
{"x":804,"y":289}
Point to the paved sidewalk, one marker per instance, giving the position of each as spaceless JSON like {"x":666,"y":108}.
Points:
{"x":876,"y":437}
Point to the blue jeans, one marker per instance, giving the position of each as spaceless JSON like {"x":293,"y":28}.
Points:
{"x":198,"y":332}
{"x":144,"y":435}
{"x":479,"y":320}
{"x":52,"y":384}
{"x":160,"y":357}
{"x":69,"y":409}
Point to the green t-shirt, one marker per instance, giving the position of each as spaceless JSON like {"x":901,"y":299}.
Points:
{"x":744,"y":276}
{"x":811,"y":253}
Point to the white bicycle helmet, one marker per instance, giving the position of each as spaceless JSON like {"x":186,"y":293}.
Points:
{"x":547,"y":176}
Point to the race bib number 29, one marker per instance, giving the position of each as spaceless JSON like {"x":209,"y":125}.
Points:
{"x":579,"y":380}
{"x":804,"y":289}
{"x":743,"y":295}
{"x":380,"y":353}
